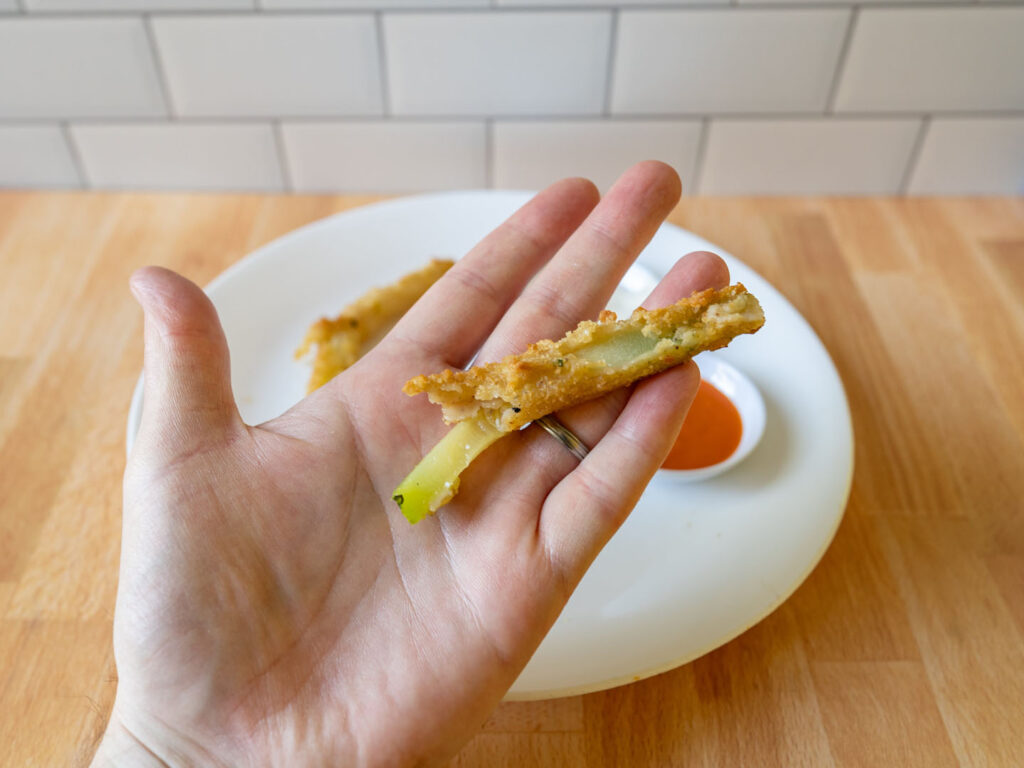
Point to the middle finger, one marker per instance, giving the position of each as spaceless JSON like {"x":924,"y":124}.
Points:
{"x":578,"y":281}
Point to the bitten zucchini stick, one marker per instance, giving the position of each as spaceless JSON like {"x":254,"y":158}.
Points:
{"x":491,"y":400}
{"x":341,"y":341}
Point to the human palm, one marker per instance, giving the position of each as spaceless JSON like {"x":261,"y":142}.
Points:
{"x":275,"y":608}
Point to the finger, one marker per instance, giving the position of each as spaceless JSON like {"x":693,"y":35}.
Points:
{"x":638,"y":427}
{"x":632,"y":433}
{"x":457,"y":314}
{"x":589,"y":505}
{"x":579,"y":280}
{"x":187,"y":370}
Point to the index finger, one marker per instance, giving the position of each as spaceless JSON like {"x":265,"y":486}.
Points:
{"x":474,"y":294}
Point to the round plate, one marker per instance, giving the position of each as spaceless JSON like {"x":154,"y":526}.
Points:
{"x":694,"y":565}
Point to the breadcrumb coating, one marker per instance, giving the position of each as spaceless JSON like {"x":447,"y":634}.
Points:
{"x":342,"y":340}
{"x":595,"y":358}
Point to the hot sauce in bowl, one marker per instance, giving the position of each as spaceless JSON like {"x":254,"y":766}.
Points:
{"x":710,"y":434}
{"x":723,"y":426}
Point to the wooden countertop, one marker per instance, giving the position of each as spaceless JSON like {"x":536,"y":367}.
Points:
{"x":905,"y":647}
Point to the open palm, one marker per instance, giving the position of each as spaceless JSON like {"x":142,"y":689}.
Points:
{"x":275,"y":608}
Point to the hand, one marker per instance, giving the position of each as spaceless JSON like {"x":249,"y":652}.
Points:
{"x":274,"y":606}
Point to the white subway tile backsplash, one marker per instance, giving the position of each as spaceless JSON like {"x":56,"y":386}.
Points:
{"x":736,"y":60}
{"x":532,"y":154}
{"x":497,"y":63}
{"x":179,"y":156}
{"x":922,"y":59}
{"x":74,"y":6}
{"x":376,"y":156}
{"x":784,"y":115}
{"x":804,"y":157}
{"x":35,"y":156}
{"x":53,"y":68}
{"x":270,"y":65}
{"x":971,"y":156}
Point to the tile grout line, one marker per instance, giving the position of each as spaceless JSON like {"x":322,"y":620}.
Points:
{"x":158,"y":64}
{"x":702,"y":151}
{"x":282,"y":156}
{"x":76,"y":154}
{"x":844,"y":54}
{"x":915,"y":154}
{"x":489,"y":153}
{"x":1004,"y":114}
{"x":703,"y":5}
{"x":382,"y":65}
{"x":613,"y":50}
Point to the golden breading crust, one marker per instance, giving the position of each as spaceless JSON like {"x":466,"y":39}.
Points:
{"x":595,"y":358}
{"x":344,"y":339}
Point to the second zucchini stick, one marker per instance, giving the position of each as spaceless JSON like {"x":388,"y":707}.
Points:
{"x":340,"y":341}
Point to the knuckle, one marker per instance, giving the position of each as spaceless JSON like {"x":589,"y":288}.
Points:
{"x":601,"y":497}
{"x":611,"y":242}
{"x":554,"y":303}
{"x":476,"y":282}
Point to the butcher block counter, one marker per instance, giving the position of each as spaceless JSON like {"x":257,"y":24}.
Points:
{"x":904,"y":647}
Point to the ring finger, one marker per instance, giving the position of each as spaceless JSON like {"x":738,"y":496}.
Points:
{"x":629,"y":430}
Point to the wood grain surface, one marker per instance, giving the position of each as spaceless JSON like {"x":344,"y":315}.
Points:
{"x":905,"y":647}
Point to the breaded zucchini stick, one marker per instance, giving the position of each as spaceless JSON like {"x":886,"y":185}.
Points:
{"x":491,"y":400}
{"x":341,"y":341}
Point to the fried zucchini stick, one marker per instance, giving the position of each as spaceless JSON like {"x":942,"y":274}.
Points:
{"x":491,"y":400}
{"x":344,"y":339}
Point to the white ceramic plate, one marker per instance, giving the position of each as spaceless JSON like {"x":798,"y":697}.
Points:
{"x":696,"y":564}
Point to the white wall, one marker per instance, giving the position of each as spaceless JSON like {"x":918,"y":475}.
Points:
{"x":758,"y":97}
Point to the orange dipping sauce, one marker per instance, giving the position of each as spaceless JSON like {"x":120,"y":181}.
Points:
{"x":710,"y":434}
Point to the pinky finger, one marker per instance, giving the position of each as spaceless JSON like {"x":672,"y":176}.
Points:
{"x":583,"y":511}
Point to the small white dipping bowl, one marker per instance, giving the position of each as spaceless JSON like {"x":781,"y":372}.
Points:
{"x":748,"y":401}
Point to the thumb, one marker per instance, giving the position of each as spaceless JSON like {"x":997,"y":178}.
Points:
{"x":187,"y":369}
